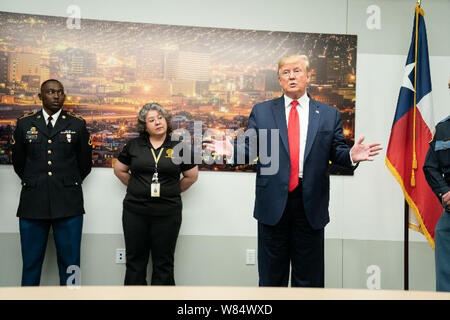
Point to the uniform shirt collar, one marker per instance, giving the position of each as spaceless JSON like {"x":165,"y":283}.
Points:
{"x":55,"y":116}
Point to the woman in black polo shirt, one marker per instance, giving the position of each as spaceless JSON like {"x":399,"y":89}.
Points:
{"x":152,"y":206}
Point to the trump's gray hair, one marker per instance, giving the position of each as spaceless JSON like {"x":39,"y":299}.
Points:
{"x":294,"y":58}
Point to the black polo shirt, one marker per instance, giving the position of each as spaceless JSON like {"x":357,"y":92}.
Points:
{"x":138,"y":156}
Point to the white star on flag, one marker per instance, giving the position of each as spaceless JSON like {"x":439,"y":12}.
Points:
{"x":406,"y":80}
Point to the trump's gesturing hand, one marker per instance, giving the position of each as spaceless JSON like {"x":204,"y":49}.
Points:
{"x":219,"y":146}
{"x":364,"y":152}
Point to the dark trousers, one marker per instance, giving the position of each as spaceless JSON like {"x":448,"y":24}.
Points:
{"x":145,"y":234}
{"x":33,"y":240}
{"x":293,"y":242}
{"x":442,"y":252}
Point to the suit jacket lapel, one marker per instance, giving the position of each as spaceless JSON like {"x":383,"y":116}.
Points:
{"x":279,"y":114}
{"x":313,"y":125}
{"x":60,"y":124}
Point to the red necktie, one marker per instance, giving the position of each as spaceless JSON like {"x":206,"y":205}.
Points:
{"x":294,"y":145}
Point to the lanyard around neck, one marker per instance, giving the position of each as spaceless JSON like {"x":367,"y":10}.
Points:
{"x":157,"y":158}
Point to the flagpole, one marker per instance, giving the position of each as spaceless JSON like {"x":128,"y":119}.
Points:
{"x":406,"y":135}
{"x":406,"y":248}
{"x":414,"y":164}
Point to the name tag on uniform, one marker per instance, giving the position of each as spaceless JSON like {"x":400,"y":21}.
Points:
{"x":31,"y":137}
{"x":155,"y":188}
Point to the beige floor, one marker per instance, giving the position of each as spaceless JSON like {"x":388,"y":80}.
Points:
{"x":209,"y":293}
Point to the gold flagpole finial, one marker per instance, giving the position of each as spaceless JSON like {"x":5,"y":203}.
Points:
{"x":419,"y":2}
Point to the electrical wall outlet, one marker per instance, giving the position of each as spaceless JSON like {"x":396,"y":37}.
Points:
{"x":120,"y":256}
{"x":250,"y":257}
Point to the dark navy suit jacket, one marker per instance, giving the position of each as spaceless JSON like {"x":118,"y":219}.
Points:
{"x":324,"y":143}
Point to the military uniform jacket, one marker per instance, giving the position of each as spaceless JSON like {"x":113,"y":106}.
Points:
{"x":51,"y":166}
{"x":437,"y":161}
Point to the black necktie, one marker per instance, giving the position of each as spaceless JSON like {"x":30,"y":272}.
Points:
{"x":49,"y":125}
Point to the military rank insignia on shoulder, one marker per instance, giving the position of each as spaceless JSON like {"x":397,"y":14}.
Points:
{"x":28,"y":114}
{"x":72,"y":114}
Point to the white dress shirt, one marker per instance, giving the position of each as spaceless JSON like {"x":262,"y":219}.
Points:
{"x":54,"y":116}
{"x":303,"y":116}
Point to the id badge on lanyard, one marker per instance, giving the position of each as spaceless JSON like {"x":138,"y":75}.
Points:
{"x":155,"y":187}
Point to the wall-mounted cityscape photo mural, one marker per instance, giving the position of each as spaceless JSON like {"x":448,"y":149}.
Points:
{"x":111,"y":69}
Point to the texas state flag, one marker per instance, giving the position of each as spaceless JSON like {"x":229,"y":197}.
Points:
{"x":412,"y":129}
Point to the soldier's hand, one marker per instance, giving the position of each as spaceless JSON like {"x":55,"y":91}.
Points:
{"x":446,"y":199}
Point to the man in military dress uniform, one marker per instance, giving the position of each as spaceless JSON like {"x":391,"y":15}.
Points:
{"x":51,"y":154}
{"x":437,"y":173}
